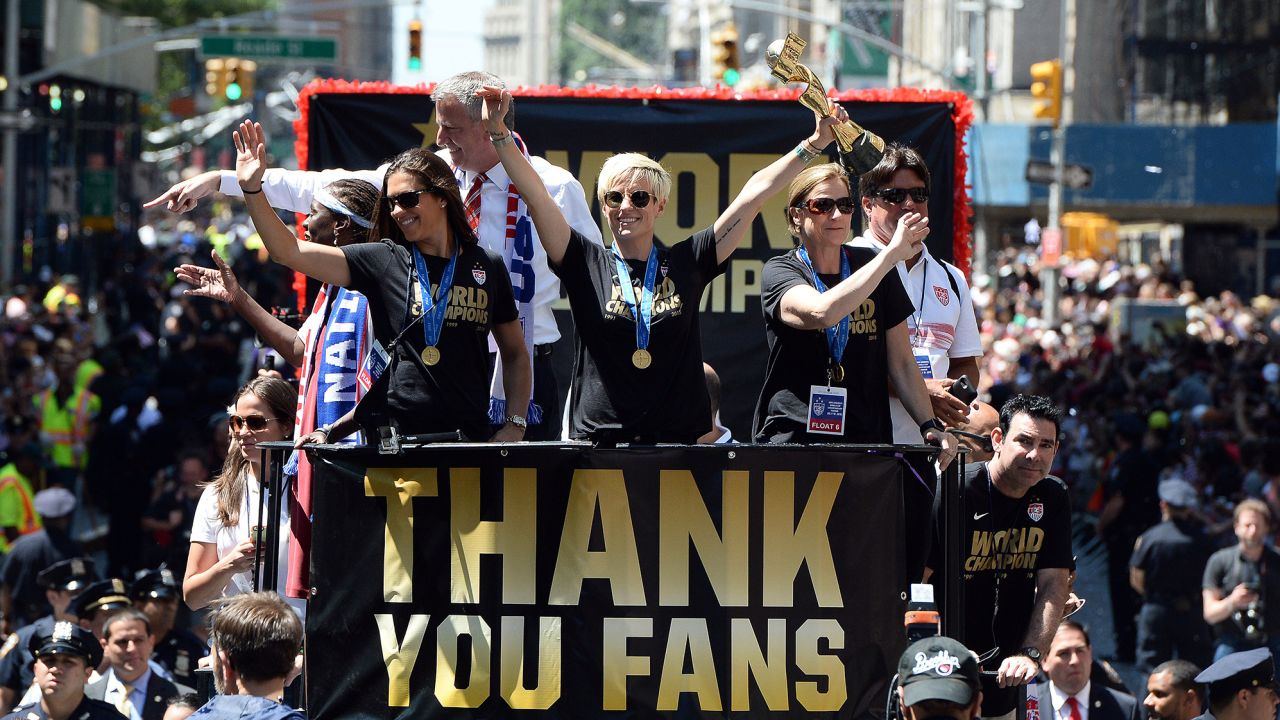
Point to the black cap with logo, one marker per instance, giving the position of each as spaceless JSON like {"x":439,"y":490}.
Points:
{"x":68,"y":639}
{"x":938,"y":668}
{"x":67,"y":575}
{"x":109,"y":594}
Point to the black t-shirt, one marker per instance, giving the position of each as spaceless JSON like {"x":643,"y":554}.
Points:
{"x":667,"y":401}
{"x":1172,"y":557}
{"x":1134,"y":476}
{"x":453,"y":394}
{"x":1006,"y":540}
{"x":1226,"y":569}
{"x":799,"y":359}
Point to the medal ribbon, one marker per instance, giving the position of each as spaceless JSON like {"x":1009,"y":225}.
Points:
{"x":433,"y":310}
{"x":643,"y":314}
{"x":838,"y":336}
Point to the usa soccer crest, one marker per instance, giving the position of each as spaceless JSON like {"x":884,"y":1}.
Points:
{"x":1035,"y":511}
{"x":478,"y":274}
{"x":943,"y":295}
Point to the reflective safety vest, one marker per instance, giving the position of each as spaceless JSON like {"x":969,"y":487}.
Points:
{"x":87,"y":372}
{"x":65,"y":429}
{"x":17,"y":504}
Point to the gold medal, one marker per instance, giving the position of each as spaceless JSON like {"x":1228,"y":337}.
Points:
{"x":837,"y":372}
{"x":430,"y":355}
{"x":641,"y":359}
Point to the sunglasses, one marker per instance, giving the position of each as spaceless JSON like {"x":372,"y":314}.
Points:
{"x":639,"y":198}
{"x":823,"y":206}
{"x":983,"y":441}
{"x":897,"y":195}
{"x":406,"y":200}
{"x":255,"y":423}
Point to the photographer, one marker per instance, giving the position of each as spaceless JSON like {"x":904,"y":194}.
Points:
{"x":1241,"y":586}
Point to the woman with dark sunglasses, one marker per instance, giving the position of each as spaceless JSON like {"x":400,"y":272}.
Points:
{"x":834,"y":318}
{"x":638,"y":374}
{"x":434,"y":297}
{"x":220,"y":561}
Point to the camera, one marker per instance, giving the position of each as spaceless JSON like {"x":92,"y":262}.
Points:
{"x":1252,"y":619}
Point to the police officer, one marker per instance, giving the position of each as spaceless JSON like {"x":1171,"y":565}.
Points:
{"x":98,"y":601}
{"x":1165,"y":569}
{"x":61,"y":581}
{"x":178,"y":650}
{"x":65,"y":657}
{"x":1242,"y":686}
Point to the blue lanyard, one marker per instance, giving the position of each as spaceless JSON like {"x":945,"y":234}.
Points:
{"x":838,"y":336}
{"x":433,"y":309}
{"x":643,"y":314}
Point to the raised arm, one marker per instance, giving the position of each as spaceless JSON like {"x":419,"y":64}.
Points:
{"x":734,"y":223}
{"x":285,"y":189}
{"x":553,"y":229}
{"x":221,"y":284}
{"x":324,"y":263}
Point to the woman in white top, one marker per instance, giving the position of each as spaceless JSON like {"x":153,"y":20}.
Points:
{"x":220,"y":563}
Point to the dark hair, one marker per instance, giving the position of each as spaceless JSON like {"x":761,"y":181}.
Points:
{"x":190,"y":701}
{"x":124,"y":615}
{"x":896,"y":157}
{"x":360,"y":197}
{"x":1183,"y":674}
{"x":1073,"y":625}
{"x":259,"y":633}
{"x":436,"y":177}
{"x":1035,"y":406}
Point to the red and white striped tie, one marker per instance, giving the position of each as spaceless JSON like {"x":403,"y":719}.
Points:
{"x":473,"y":202}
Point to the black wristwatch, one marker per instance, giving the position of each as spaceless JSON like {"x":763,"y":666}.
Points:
{"x":1031,"y":652}
{"x":932,"y":424}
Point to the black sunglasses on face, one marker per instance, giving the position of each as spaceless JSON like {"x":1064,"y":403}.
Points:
{"x":639,"y":198}
{"x":822,"y":206}
{"x":897,"y":195}
{"x":256,"y":423}
{"x":405,"y":200}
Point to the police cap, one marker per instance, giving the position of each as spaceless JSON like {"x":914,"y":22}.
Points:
{"x":69,"y":639}
{"x":108,"y":594}
{"x":155,"y":584}
{"x":1239,"y":671}
{"x":67,"y":575}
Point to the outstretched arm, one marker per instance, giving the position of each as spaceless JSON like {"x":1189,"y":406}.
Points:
{"x":553,"y":229}
{"x":221,"y":284}
{"x":285,"y":189}
{"x":324,"y":263}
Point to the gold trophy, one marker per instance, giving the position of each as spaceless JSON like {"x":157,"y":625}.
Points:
{"x":860,"y":149}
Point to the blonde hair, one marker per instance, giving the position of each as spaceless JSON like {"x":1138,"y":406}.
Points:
{"x":804,"y":183}
{"x":229,"y":485}
{"x":627,"y":166}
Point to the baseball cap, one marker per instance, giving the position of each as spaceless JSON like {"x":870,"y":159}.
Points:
{"x":938,"y":668}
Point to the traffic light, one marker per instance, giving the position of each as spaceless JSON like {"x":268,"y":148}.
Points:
{"x":215,"y":77}
{"x":724,"y":55}
{"x":240,"y":78}
{"x":415,"y":44}
{"x":1046,"y":87}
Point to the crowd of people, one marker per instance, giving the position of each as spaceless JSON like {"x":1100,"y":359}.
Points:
{"x":132,"y":410}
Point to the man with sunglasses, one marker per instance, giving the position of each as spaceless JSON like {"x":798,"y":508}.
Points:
{"x":488,"y":194}
{"x":942,"y":326}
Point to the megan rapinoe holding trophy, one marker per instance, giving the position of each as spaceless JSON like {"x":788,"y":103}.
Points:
{"x":860,"y":149}
{"x":638,"y":375}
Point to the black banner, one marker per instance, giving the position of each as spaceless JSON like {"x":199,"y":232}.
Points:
{"x":569,"y":582}
{"x":710,"y":146}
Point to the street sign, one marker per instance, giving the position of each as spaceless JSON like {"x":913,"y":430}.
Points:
{"x":98,"y":199}
{"x":17,"y":120}
{"x":62,"y":190}
{"x":1076,"y":177}
{"x":1051,"y":246}
{"x":269,"y":47}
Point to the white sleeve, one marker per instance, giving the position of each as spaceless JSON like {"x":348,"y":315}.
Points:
{"x":968,"y":343}
{"x":294,"y":189}
{"x":568,"y":194}
{"x":205,"y":525}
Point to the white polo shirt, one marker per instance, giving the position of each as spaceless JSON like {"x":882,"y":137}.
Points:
{"x":941,"y":326}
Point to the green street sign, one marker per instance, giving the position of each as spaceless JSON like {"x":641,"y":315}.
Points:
{"x":269,"y":47}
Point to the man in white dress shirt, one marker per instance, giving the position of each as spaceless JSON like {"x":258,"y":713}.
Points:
{"x":129,"y":685}
{"x":1073,"y":695}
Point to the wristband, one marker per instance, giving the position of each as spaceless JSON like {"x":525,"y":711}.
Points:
{"x":811,"y":147}
{"x":326,"y":429}
{"x":247,"y":191}
{"x":802,"y":151}
{"x":500,"y":141}
{"x":932,"y":424}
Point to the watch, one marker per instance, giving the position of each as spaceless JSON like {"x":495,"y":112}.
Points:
{"x":1032,"y":653}
{"x":932,"y":424}
{"x":518,"y":421}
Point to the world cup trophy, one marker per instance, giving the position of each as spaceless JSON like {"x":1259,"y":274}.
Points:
{"x":860,"y":149}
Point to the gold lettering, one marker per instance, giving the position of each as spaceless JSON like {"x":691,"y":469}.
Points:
{"x":1035,"y":539}
{"x":511,"y":658}
{"x":981,"y":544}
{"x":688,"y":634}
{"x":745,"y":283}
{"x":788,"y":545}
{"x":741,"y":167}
{"x":617,"y":664}
{"x":476,"y":690}
{"x":683,"y":518}
{"x":619,"y":562}
{"x":399,"y":486}
{"x":810,"y":661}
{"x":514,"y":537}
{"x":400,"y":655}
{"x":706,"y":196}
{"x":747,"y":662}
{"x":713,"y":295}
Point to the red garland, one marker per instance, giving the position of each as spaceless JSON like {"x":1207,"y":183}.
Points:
{"x":961,"y":116}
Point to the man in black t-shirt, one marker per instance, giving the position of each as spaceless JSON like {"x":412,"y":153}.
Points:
{"x":1017,"y":550}
{"x":1241,"y":587}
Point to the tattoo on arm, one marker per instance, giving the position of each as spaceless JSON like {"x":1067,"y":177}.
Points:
{"x":725,"y":234}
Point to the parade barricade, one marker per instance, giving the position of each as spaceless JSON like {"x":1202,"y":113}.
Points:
{"x":566,"y":580}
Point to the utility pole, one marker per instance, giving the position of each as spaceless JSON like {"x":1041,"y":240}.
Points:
{"x":9,"y":214}
{"x":1050,"y":256}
